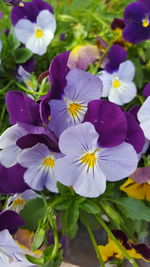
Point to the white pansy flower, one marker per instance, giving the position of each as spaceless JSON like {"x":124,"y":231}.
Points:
{"x":119,"y":86}
{"x":36,"y":36}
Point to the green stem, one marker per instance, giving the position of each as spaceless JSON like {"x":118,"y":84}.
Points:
{"x":2,"y":114}
{"x":110,"y":234}
{"x":28,"y":91}
{"x":55,"y":202}
{"x":95,"y":245}
{"x":52,"y":220}
{"x":6,"y":87}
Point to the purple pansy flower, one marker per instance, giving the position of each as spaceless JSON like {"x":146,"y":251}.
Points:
{"x":109,"y":121}
{"x":137,"y":20}
{"x":117,"y":23}
{"x":18,"y":201}
{"x":13,"y":182}
{"x":22,"y":108}
{"x":86,"y":166}
{"x":40,"y":163}
{"x":117,"y":54}
{"x":34,"y":25}
{"x":146,"y":91}
{"x":144,"y":117}
{"x":81,"y":88}
{"x":119,"y":86}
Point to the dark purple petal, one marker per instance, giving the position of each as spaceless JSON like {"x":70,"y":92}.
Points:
{"x":101,"y":43}
{"x":30,"y":65}
{"x":30,"y":11}
{"x":135,"y":33}
{"x":134,"y":110}
{"x":37,"y":135}
{"x":134,"y":13}
{"x":141,"y":175}
{"x":117,"y":55}
{"x":146,"y":91}
{"x":11,"y":180}
{"x":57,"y":75}
{"x":10,"y":220}
{"x":121,"y":236}
{"x":22,"y":108}
{"x":45,"y":108}
{"x":117,"y":23}
{"x":135,"y":135}
{"x":109,"y":121}
{"x":143,"y":250}
{"x":146,"y":4}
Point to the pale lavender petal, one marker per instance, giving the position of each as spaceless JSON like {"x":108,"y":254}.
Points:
{"x":144,"y":118}
{"x":8,"y":156}
{"x":78,"y":139}
{"x":82,"y":86}
{"x":90,"y":183}
{"x":106,"y":79}
{"x":118,"y":162}
{"x":29,"y":194}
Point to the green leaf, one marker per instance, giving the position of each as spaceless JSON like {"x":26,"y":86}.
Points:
{"x":134,"y":209}
{"x":138,"y":78}
{"x":22,"y":55}
{"x":33,"y":211}
{"x":69,"y":218}
{"x":63,"y":189}
{"x":90,"y":207}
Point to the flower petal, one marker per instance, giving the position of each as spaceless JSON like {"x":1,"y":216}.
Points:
{"x":126,"y":71}
{"x":24,"y":29}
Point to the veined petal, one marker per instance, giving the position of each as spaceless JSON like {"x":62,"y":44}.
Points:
{"x":118,"y":162}
{"x":91,"y":183}
{"x":78,"y":139}
{"x":126,"y":71}
{"x":24,"y":29}
{"x":106,"y":79}
{"x":82,"y":86}
{"x":39,"y":45}
{"x":123,"y":93}
{"x":46,"y":21}
{"x":144,"y":117}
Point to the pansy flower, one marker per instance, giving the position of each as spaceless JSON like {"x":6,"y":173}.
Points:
{"x":34,"y":25}
{"x":81,"y":88}
{"x":119,"y":86}
{"x":144,"y":117}
{"x":17,"y":201}
{"x":137,"y":20}
{"x":137,"y":251}
{"x":82,"y":56}
{"x":86,"y":166}
{"x":40,"y":162}
{"x":138,"y":185}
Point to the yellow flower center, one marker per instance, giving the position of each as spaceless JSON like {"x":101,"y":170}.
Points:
{"x":145,"y":22}
{"x":30,"y":83}
{"x":74,"y":109}
{"x":49,"y":162}
{"x":89,"y":159}
{"x":18,"y":201}
{"x":38,"y":33}
{"x":116,"y":83}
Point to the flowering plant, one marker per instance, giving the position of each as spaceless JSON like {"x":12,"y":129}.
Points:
{"x":75,"y":129}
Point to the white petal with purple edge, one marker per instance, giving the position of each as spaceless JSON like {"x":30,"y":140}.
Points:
{"x":118,"y":162}
{"x":144,"y":117}
{"x":78,"y":139}
{"x":24,"y":29}
{"x":126,"y":71}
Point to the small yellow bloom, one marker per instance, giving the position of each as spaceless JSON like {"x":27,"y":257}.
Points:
{"x":138,"y":191}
